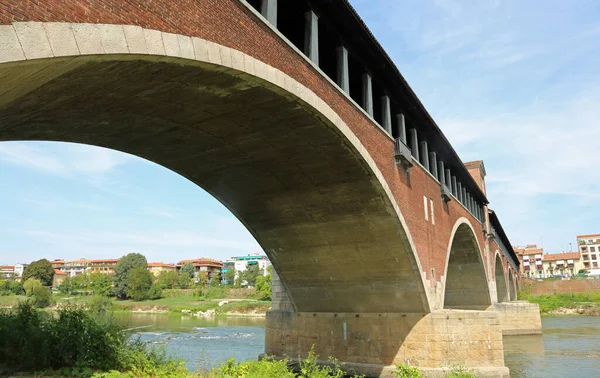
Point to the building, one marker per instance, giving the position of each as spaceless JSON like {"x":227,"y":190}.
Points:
{"x":19,"y":269}
{"x":76,"y":267}
{"x":241,"y":263}
{"x":57,"y":263}
{"x":589,"y":247}
{"x":205,"y":268}
{"x":7,"y":271}
{"x":156,"y":267}
{"x":58,"y":278}
{"x":537,"y":264}
{"x":531,"y":261}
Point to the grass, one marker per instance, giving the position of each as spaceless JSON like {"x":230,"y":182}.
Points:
{"x":588,"y":302}
{"x":175,"y":303}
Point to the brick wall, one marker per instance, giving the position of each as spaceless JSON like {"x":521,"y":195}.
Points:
{"x":564,"y":287}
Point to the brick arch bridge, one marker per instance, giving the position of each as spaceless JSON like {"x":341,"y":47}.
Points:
{"x":308,"y":133}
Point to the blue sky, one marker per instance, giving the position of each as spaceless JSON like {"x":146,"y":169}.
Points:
{"x":515,"y":83}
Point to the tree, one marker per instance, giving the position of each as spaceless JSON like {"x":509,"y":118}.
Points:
{"x":184,"y":281}
{"x":30,"y":285}
{"x":167,"y":279}
{"x":41,"y":296}
{"x":125,"y":265}
{"x":215,"y":280}
{"x":100,"y":284}
{"x":66,"y":287}
{"x":189,"y":269}
{"x":16,"y":287}
{"x":263,"y":285}
{"x":139,"y":282}
{"x":40,"y":269}
{"x":229,"y":276}
{"x":248,"y":276}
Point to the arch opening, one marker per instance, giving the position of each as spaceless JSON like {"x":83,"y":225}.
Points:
{"x":284,"y":170}
{"x":466,"y":284}
{"x":512,"y":287}
{"x":501,"y":289}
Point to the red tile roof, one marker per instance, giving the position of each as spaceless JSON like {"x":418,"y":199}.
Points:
{"x":160,"y":264}
{"x":5,"y":267}
{"x":588,"y":236}
{"x":60,"y":272}
{"x":562,"y":256}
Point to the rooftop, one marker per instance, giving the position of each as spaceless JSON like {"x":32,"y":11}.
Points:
{"x":159,"y":265}
{"x":561,"y":256}
{"x":588,"y":236}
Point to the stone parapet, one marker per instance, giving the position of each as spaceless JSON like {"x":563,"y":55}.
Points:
{"x":373,"y":343}
{"x":518,"y":318}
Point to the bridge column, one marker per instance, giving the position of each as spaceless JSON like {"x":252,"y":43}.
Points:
{"x":459,"y":191}
{"x":268,"y":8}
{"x":343,"y":73}
{"x":433,"y":164}
{"x":372,"y":343}
{"x":402,"y":128}
{"x":414,"y":143}
{"x":454,"y":187}
{"x":441,"y":174}
{"x":424,"y":155}
{"x":386,"y":114}
{"x":311,"y":36}
{"x":449,"y":180}
{"x":367,"y":93}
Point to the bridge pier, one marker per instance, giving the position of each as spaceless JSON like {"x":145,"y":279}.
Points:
{"x":518,"y":318}
{"x":373,"y":343}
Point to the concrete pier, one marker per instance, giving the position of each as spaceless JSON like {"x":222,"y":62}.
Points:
{"x":518,"y":318}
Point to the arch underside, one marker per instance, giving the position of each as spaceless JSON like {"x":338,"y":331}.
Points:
{"x":288,"y":174}
{"x":511,"y":286}
{"x":501,"y":289}
{"x":466,"y":284}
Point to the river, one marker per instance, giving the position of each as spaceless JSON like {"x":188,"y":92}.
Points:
{"x":569,"y":347}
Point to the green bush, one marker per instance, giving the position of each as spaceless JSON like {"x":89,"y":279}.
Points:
{"x":42,"y":297}
{"x":73,"y":343}
{"x":155,"y":292}
{"x":460,"y":372}
{"x":405,"y":371}
{"x":211,"y":292}
{"x":30,"y":285}
{"x":139,"y":283}
{"x":100,"y":305}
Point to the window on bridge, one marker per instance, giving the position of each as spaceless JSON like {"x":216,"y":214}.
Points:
{"x":291,"y":21}
{"x":356,"y":69}
{"x":255,"y":4}
{"x":466,"y":283}
{"x":377,"y":103}
{"x":328,"y":42}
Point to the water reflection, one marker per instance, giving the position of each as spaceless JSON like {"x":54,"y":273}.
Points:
{"x":569,"y":347}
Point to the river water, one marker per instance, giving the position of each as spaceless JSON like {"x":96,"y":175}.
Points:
{"x":569,"y":347}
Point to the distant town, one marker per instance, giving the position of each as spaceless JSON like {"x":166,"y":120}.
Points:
{"x":205,"y":269}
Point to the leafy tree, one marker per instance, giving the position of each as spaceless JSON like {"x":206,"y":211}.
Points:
{"x":66,"y":287}
{"x":167,"y":279}
{"x":42,"y":297}
{"x":100,"y":284}
{"x":139,"y":282}
{"x":40,"y":269}
{"x":189,"y":269}
{"x":30,"y":285}
{"x":263,"y":285}
{"x":229,"y":276}
{"x":250,"y":275}
{"x":184,"y":281}
{"x":155,"y":292}
{"x":16,"y":287}
{"x":125,"y":265}
{"x":215,"y":281}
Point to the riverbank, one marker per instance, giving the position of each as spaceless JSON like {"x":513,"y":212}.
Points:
{"x":586,"y":304}
{"x":186,"y":305}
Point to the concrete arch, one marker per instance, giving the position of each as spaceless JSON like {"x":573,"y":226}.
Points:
{"x":512,"y":286}
{"x":466,"y":285}
{"x":500,"y":277}
{"x":265,"y":146}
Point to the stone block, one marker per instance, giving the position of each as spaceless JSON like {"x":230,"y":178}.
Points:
{"x":186,"y":47}
{"x":171,"y":44}
{"x":34,"y":42}
{"x":113,"y":39}
{"x":154,"y":42}
{"x":135,"y":38}
{"x":61,"y":38}
{"x":10,"y":48}
{"x":88,"y":39}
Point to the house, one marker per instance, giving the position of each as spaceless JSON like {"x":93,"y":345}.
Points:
{"x":156,"y":267}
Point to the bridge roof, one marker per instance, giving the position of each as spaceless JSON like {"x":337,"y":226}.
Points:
{"x":503,"y":238}
{"x":355,"y":33}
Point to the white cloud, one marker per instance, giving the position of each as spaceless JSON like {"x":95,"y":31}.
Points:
{"x":62,"y":159}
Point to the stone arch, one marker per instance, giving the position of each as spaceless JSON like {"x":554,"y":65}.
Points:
{"x":275,"y":154}
{"x":466,"y":285}
{"x":511,"y":286}
{"x":500,"y":278}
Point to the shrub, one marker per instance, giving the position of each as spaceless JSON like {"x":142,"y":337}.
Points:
{"x":155,"y":292}
{"x":42,"y":297}
{"x":30,"y":286}
{"x":406,"y":371}
{"x":139,"y":283}
{"x":100,"y":305}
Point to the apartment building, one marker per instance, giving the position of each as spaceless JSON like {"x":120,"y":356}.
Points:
{"x":530,"y":258}
{"x":6,"y":271}
{"x":589,"y":247}
{"x":205,"y":268}
{"x":537,"y":264}
{"x":77,"y":267}
{"x":241,"y":263}
{"x":157,"y":267}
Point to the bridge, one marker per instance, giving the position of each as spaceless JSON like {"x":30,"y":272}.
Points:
{"x":293,"y":116}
